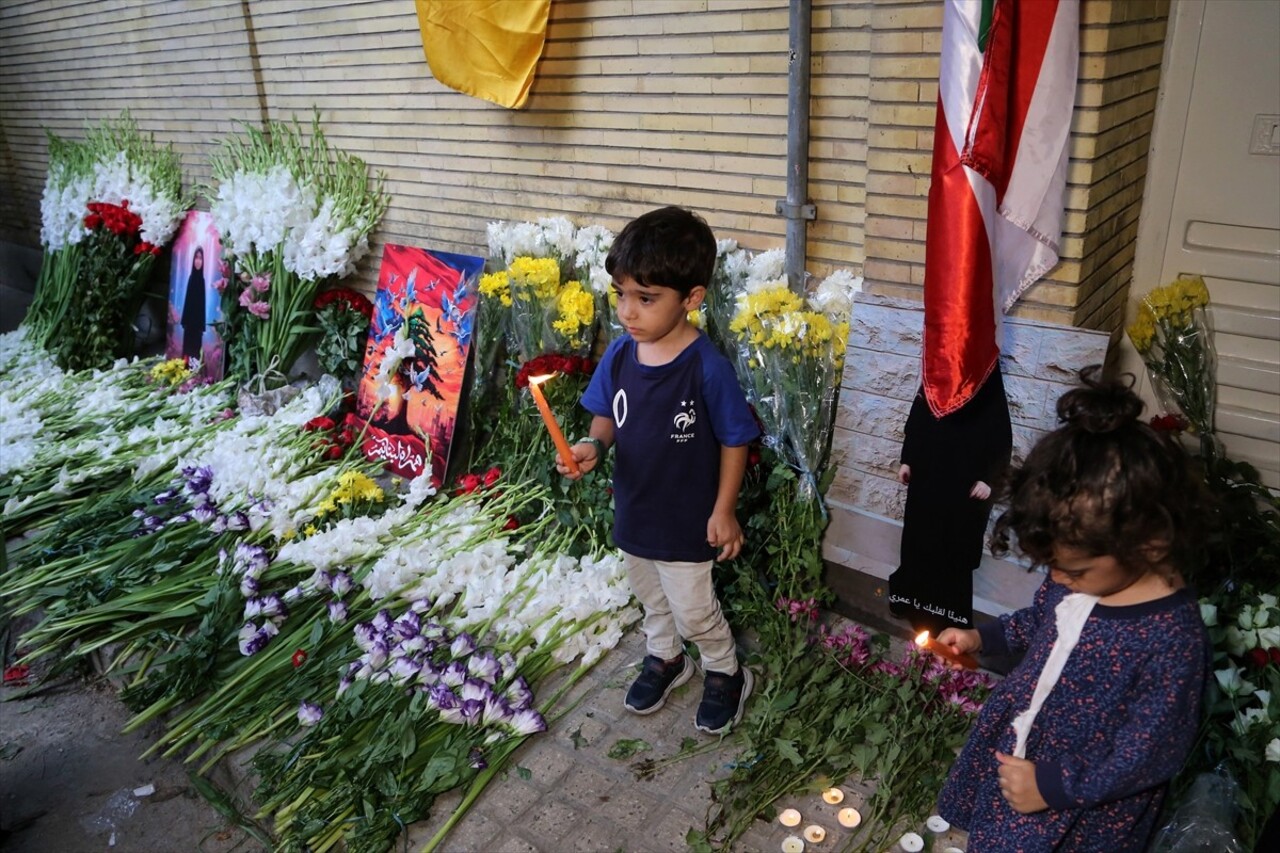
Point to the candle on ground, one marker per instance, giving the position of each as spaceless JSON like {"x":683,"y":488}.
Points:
{"x":792,"y":844}
{"x":832,"y":796}
{"x":814,"y":834}
{"x":789,"y":817}
{"x":553,"y":426}
{"x":849,"y":817}
{"x":924,"y":641}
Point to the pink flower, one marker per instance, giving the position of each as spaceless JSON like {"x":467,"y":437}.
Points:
{"x":261,"y":310}
{"x":220,"y":284}
{"x":246,"y":296}
{"x":261,"y":282}
{"x":224,"y":269}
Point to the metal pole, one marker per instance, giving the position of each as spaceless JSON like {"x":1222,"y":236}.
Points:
{"x":796,"y":207}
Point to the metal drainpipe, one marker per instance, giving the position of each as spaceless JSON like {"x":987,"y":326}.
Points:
{"x":796,"y":207}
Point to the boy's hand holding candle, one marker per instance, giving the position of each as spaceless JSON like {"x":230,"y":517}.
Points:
{"x":553,"y":426}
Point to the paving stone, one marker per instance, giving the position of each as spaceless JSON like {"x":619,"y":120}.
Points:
{"x":586,"y":785}
{"x":595,"y":836}
{"x":582,"y":731}
{"x":631,"y":809}
{"x":513,"y":844}
{"x":549,"y":821}
{"x":507,"y":799}
{"x":546,"y":764}
{"x":476,"y":831}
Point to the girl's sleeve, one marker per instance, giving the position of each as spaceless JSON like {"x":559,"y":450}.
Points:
{"x":1151,"y":745}
{"x":1013,"y":632}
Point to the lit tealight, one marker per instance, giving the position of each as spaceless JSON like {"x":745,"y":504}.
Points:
{"x":952,"y":850}
{"x":911,"y":842}
{"x":814,"y":834}
{"x":792,"y":844}
{"x":789,"y":817}
{"x":937,"y":823}
{"x":832,"y":796}
{"x":849,"y":818}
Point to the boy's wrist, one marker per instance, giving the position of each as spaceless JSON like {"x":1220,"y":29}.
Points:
{"x":596,"y":443}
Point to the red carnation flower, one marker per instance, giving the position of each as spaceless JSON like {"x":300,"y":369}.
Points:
{"x":491,"y":476}
{"x":16,"y":676}
{"x":317,"y":423}
{"x":512,"y":523}
{"x":1169,"y":423}
{"x":1275,"y":654}
{"x":299,"y":658}
{"x":1259,"y":657}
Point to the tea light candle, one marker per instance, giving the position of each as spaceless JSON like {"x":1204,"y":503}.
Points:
{"x":832,"y":796}
{"x":792,"y":844}
{"x":952,"y":850}
{"x":789,"y":817}
{"x":814,"y":834}
{"x":553,"y":426}
{"x":944,"y":652}
{"x":849,"y":817}
{"x":911,"y":843}
{"x":937,"y":823}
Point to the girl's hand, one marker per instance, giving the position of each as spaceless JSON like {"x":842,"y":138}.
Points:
{"x":980,"y":491}
{"x":961,"y":640}
{"x":585,"y":455}
{"x":1018,"y":784}
{"x":904,"y":474}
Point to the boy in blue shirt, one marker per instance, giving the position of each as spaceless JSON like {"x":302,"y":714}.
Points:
{"x":671,"y":404}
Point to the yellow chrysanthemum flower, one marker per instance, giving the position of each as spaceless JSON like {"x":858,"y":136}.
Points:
{"x":173,"y":372}
{"x":497,"y":284}
{"x":538,"y":278}
{"x":576,"y":309}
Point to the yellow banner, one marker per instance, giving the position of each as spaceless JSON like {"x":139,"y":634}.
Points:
{"x":485,"y":48}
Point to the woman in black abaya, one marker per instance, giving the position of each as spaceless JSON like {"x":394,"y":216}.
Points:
{"x":193,"y":308}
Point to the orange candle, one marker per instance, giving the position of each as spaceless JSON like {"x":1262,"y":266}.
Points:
{"x":553,"y":426}
{"x":923,"y":641}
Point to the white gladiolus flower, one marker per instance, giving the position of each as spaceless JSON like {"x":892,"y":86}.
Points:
{"x":1232,"y":682}
{"x":1239,"y":642}
{"x":1208,"y":614}
{"x":1269,"y":637}
{"x":1272,"y":752}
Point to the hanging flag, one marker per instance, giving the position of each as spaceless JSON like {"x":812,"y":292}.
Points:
{"x":485,"y":48}
{"x":1005,"y":96}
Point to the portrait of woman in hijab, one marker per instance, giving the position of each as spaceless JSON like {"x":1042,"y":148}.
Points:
{"x":193,"y":308}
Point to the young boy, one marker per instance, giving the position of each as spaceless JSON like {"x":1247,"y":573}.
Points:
{"x":670,"y":402}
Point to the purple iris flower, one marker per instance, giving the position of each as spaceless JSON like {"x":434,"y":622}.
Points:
{"x":383,"y":620}
{"x":309,"y":713}
{"x":341,"y":584}
{"x":204,"y":513}
{"x":484,"y":666}
{"x":454,"y":674}
{"x":366,"y":635}
{"x":527,"y":722}
{"x":407,"y":626}
{"x":166,"y":496}
{"x":519,"y":693}
{"x":440,"y":697}
{"x":337,"y":612}
{"x":462,"y":645}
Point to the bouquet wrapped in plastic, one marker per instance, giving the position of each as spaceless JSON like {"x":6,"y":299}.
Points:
{"x":1173,"y":336}
{"x":293,"y":213}
{"x":110,"y":205}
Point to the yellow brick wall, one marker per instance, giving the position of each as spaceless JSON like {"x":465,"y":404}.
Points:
{"x":637,"y":103}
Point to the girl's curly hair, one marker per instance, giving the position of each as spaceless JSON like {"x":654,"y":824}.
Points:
{"x":1107,"y":484}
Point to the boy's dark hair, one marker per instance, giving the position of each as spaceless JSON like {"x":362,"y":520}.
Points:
{"x":1108,"y":484}
{"x":669,"y":247}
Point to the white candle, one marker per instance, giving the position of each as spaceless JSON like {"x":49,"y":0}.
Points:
{"x":792,"y":844}
{"x":911,"y":842}
{"x":937,"y":823}
{"x":789,"y":817}
{"x":832,"y":796}
{"x":814,"y":833}
{"x":849,"y":817}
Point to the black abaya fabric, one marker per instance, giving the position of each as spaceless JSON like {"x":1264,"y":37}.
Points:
{"x":943,"y":527}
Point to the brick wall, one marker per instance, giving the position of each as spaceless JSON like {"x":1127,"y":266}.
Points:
{"x":636,"y":104}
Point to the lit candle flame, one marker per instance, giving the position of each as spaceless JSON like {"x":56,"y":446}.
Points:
{"x":538,"y":380}
{"x":922,"y":639}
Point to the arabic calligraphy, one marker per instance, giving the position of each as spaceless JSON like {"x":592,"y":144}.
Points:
{"x":400,"y":455}
{"x":928,"y":607}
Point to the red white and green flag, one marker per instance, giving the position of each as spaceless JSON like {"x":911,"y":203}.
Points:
{"x":1005,"y":95}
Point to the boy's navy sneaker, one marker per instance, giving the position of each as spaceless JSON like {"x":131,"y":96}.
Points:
{"x":723,"y":699}
{"x":655,"y":682}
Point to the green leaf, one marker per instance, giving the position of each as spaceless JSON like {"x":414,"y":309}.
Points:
{"x":317,"y":632}
{"x":628,"y":747}
{"x":408,"y":742}
{"x":787,"y":749}
{"x":524,"y":773}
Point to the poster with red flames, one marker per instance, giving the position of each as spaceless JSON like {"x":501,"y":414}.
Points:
{"x":416,"y":357}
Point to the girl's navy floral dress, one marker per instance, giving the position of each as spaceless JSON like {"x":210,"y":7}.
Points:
{"x":1112,"y":733}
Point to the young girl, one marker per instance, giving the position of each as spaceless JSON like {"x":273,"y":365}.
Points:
{"x":1074,"y":749}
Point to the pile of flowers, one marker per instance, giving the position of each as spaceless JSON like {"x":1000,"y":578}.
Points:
{"x":840,"y":705}
{"x":293,"y":214}
{"x":343,"y":316}
{"x":110,"y":205}
{"x":1240,"y":732}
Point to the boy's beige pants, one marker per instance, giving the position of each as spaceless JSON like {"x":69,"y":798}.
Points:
{"x":680,"y":604}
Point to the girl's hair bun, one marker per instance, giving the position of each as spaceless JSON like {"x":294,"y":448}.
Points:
{"x":1102,"y":405}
